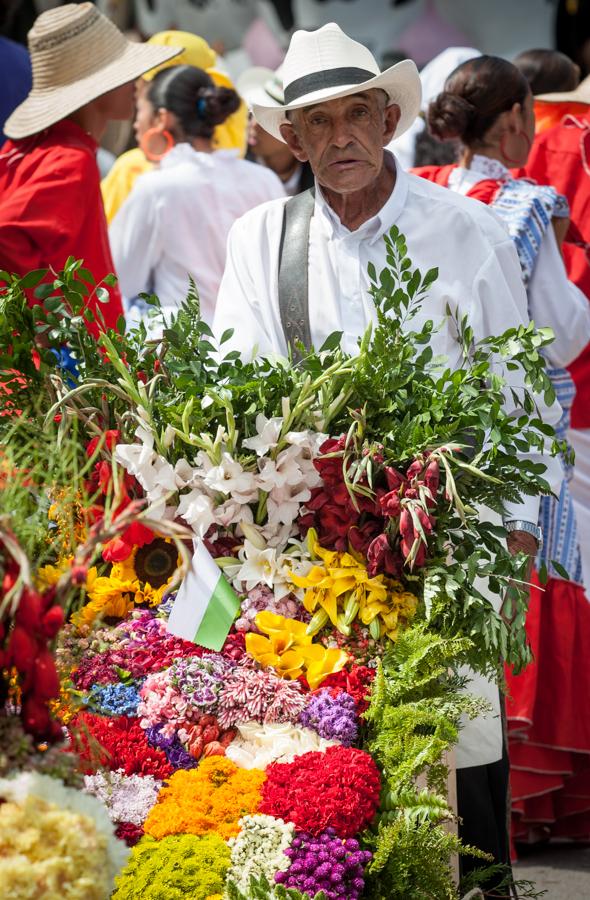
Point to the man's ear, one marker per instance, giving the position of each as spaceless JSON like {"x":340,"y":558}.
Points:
{"x":291,"y":138}
{"x":391,"y":116}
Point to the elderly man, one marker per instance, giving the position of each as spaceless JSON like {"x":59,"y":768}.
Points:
{"x":297,"y":270}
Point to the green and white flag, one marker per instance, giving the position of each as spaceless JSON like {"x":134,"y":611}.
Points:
{"x":205,"y":605}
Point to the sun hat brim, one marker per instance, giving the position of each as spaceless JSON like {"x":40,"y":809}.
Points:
{"x":251,"y":87}
{"x":46,"y":107}
{"x":581,"y":94}
{"x":401,"y":83}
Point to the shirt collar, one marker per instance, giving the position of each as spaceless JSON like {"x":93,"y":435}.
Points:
{"x":374,"y":228}
{"x":491,"y":168}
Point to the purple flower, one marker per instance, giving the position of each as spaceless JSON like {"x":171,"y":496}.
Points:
{"x":175,"y":752}
{"x":325,"y":863}
{"x":332,"y":716}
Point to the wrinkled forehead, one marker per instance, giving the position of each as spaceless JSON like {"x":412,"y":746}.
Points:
{"x":374,"y":97}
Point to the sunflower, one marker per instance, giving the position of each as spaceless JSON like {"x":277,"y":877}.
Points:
{"x":111,"y":597}
{"x":154,"y":564}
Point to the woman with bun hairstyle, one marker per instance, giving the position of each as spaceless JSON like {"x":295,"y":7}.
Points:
{"x":174,"y":223}
{"x":488,"y":106}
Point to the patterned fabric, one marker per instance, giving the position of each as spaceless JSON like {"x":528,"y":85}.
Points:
{"x":557,"y":517}
{"x":527,"y":210}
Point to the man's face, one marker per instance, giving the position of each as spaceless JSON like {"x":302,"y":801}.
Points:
{"x":343,"y":139}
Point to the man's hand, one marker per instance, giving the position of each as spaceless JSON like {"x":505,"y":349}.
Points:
{"x":520,"y":542}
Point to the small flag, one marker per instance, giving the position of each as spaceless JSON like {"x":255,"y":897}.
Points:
{"x":205,"y":605}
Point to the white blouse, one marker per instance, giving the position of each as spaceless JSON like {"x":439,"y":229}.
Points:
{"x":175,"y":223}
{"x":554,"y":301}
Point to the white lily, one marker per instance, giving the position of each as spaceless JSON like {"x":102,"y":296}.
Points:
{"x":284,"y":503}
{"x":230,"y":478}
{"x":268,"y":433}
{"x":231,"y":512}
{"x":196,"y":508}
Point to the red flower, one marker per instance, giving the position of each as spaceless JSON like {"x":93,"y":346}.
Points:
{"x":123,"y":745}
{"x":128,"y":832}
{"x":382,"y":559}
{"x":356,"y":682}
{"x":390,"y":504}
{"x":112,"y":438}
{"x":339,"y":789}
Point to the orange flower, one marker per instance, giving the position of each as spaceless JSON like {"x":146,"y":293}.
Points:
{"x":210,"y":798}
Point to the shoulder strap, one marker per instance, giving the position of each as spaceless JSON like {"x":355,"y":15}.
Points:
{"x":293,"y":269}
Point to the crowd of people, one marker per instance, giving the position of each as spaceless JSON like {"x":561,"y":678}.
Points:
{"x":273,"y":194}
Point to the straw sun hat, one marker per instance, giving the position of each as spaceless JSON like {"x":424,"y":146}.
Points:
{"x":77,"y":55}
{"x":327,"y":64}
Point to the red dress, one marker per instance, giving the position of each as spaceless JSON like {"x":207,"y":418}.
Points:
{"x":560,"y":156}
{"x":51,"y":207}
{"x":548,"y":705}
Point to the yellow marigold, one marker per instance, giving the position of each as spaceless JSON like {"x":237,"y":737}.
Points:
{"x":210,"y":798}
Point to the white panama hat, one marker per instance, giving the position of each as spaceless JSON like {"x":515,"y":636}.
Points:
{"x":77,"y":55}
{"x":327,"y":64}
{"x":260,"y":85}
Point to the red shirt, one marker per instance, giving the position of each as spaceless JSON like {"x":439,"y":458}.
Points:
{"x":51,"y":207}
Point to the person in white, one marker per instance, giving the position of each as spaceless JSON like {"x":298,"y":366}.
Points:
{"x":339,"y":113}
{"x":174,"y":223}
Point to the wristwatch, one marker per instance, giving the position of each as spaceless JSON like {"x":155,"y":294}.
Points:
{"x":528,"y":527}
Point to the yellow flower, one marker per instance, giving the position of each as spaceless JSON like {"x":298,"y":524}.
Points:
{"x":110,"y":597}
{"x":48,"y":576}
{"x":343,"y":589}
{"x":289,"y":650}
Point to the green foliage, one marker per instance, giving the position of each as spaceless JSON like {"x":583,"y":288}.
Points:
{"x":261,"y":889}
{"x":412,"y":722}
{"x":412,"y":862}
{"x":178,"y":866}
{"x":415,"y":708}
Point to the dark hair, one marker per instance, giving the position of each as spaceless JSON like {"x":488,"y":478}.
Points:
{"x":548,"y":71}
{"x":475,"y":94}
{"x":193,"y":97}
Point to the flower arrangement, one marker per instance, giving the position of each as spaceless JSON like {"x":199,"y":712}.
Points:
{"x":339,"y":496}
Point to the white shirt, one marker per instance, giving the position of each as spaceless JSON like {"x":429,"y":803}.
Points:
{"x":554,"y":301}
{"x":175,"y":223}
{"x":479,"y":275}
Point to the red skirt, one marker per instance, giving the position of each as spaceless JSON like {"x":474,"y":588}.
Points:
{"x":548,"y":712}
